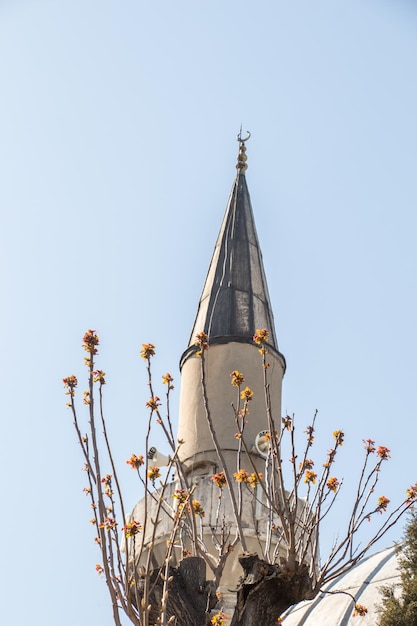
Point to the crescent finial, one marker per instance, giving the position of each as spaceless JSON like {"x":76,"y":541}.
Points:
{"x":239,"y":137}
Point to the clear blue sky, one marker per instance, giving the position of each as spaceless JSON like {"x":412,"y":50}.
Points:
{"x":117,"y":135}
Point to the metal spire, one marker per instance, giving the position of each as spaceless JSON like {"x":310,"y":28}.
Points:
{"x":235,"y":300}
{"x":241,"y":164}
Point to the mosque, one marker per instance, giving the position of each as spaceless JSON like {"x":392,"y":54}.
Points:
{"x":233,"y":305}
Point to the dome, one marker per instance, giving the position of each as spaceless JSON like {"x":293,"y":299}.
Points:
{"x":363,"y":582}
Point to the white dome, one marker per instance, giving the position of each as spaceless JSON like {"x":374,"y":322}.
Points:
{"x":363,"y":582}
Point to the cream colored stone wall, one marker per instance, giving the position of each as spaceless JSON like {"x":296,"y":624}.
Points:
{"x":218,"y":520}
{"x":220,"y":361}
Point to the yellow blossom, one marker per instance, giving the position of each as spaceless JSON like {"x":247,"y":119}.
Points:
{"x":99,"y":377}
{"x":339,"y":436}
{"x":197,"y":508}
{"x":261,"y":337}
{"x":148,"y":350}
{"x":153,"y":403}
{"x":241,"y":476}
{"x":382,"y":504}
{"x":254,"y":479}
{"x":135,"y":461}
{"x":360,"y":610}
{"x":219,"y":480}
{"x":333,"y":484}
{"x":180,"y":495}
{"x":202,"y":342}
{"x":307,"y":464}
{"x":237,"y":378}
{"x":132,"y":528}
{"x":108,"y":524}
{"x":70,"y":383}
{"x":90,"y":341}
{"x":153,"y":473}
{"x":412,"y":493}
{"x":310,"y":477}
{"x":167,"y":380}
{"x":247,"y":394}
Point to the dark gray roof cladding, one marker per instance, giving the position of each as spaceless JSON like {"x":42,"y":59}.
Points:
{"x":235,"y":300}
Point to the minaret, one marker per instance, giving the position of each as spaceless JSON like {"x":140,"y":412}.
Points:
{"x":233,"y":305}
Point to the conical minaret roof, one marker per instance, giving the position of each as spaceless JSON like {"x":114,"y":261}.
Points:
{"x":235,"y":300}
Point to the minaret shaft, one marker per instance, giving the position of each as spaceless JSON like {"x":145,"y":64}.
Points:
{"x":198,"y":451}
